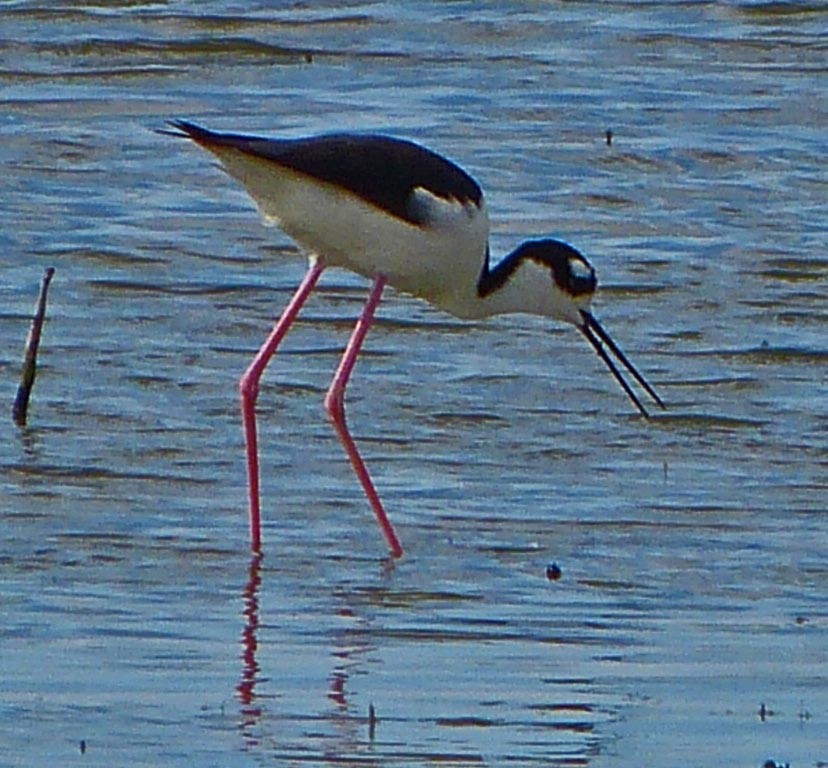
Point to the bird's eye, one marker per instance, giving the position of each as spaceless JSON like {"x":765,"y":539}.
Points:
{"x":581,"y":276}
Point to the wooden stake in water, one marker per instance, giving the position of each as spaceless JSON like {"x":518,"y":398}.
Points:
{"x":27,"y":376}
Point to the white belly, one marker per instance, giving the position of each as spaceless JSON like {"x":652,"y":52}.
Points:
{"x":439,"y":260}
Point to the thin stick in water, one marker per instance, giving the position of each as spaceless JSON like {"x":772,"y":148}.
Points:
{"x":27,"y":376}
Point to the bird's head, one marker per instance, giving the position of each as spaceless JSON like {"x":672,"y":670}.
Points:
{"x":573,"y":279}
{"x":551,"y":278}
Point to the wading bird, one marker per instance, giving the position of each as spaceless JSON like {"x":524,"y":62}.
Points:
{"x":400,"y":215}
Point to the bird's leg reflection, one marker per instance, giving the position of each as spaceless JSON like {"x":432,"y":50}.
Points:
{"x":342,"y":652}
{"x":352,"y":644}
{"x":250,"y":713}
{"x":337,"y":693}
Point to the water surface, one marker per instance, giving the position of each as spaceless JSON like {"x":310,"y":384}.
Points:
{"x":690,"y":624}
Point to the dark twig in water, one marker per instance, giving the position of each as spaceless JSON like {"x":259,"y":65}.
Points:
{"x":372,"y":722}
{"x":27,"y":376}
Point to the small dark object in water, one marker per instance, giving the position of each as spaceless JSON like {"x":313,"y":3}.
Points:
{"x":774,"y":764}
{"x":83,"y":746}
{"x":609,"y":137}
{"x":27,"y":376}
{"x":553,"y":572}
{"x":372,"y":721}
{"x":765,"y":712}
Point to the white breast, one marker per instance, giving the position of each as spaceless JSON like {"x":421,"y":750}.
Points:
{"x":439,"y":259}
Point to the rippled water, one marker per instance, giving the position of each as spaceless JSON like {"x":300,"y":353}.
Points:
{"x":690,"y":624}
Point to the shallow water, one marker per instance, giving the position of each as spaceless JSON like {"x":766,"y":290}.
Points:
{"x":690,"y":624}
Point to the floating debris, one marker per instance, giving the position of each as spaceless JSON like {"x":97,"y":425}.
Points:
{"x":372,"y":721}
{"x":765,"y":712}
{"x":27,"y":376}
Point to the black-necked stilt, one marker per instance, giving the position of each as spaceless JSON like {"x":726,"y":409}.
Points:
{"x":402,"y":215}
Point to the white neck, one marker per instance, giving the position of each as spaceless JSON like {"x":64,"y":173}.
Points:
{"x":531,"y":290}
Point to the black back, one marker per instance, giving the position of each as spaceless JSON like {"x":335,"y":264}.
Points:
{"x":382,"y":170}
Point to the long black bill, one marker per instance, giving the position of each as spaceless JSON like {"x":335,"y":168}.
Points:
{"x":590,"y":328}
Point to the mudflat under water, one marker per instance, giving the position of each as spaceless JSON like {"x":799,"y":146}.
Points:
{"x":690,"y":624}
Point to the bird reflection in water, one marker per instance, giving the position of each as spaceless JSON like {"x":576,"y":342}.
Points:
{"x":350,"y":646}
{"x":246,"y":688}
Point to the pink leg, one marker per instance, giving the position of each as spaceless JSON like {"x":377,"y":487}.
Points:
{"x":335,"y":405}
{"x":249,"y":390}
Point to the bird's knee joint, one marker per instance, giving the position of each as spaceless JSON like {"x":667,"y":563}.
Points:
{"x":335,"y":406}
{"x":248,"y":390}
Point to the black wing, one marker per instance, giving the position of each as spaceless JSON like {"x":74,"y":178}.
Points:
{"x":382,"y":170}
